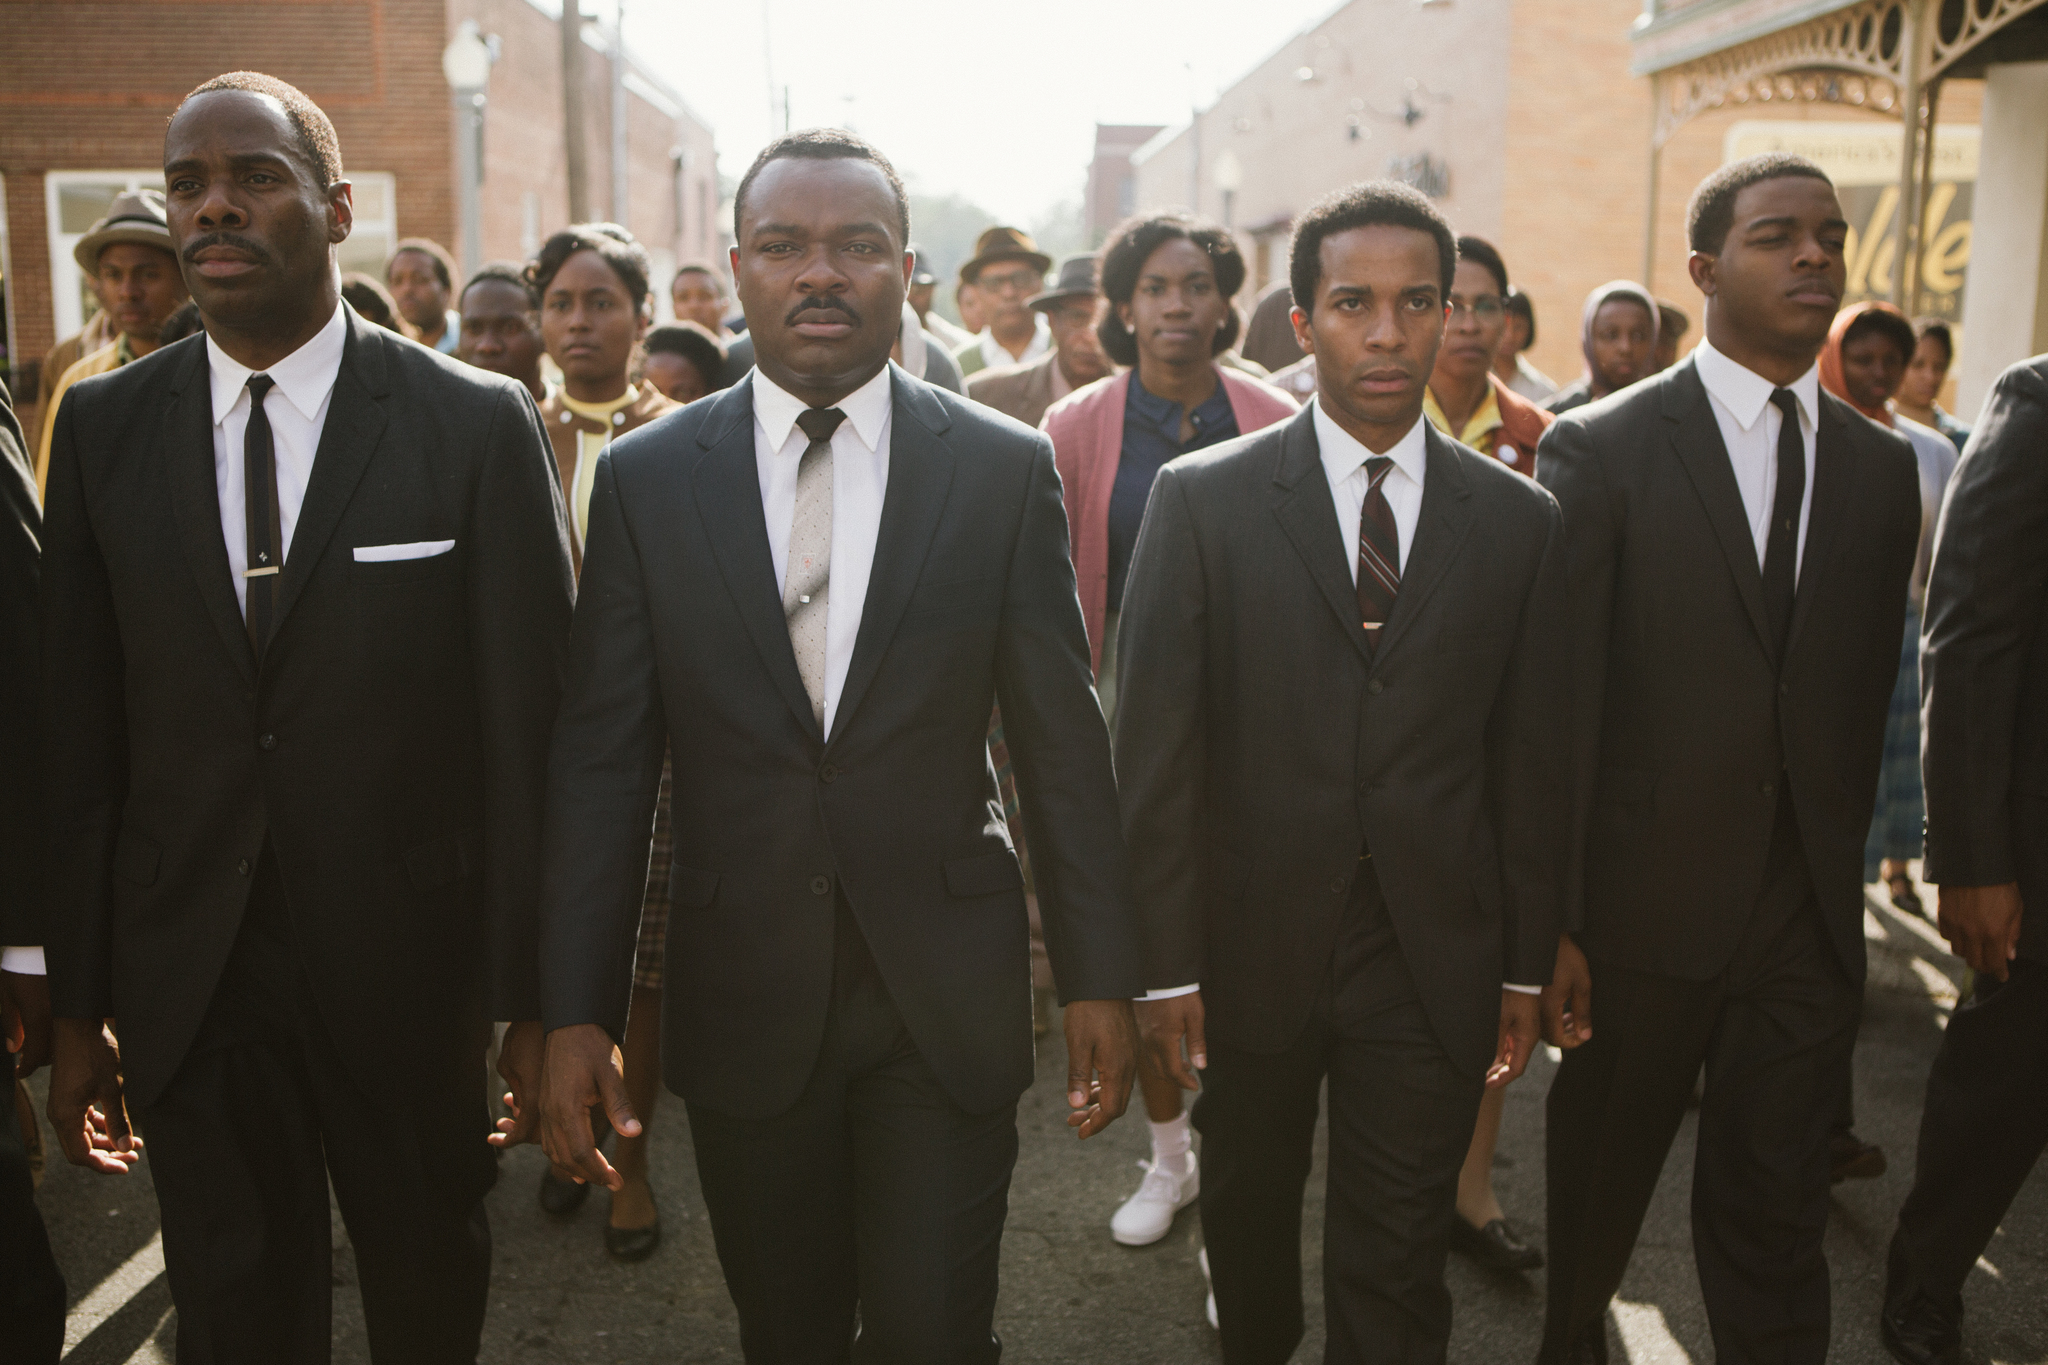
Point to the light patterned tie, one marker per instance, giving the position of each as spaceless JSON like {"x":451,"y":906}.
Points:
{"x":807,"y":577}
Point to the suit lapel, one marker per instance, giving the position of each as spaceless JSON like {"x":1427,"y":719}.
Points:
{"x":355,"y":421}
{"x":727,"y":485}
{"x":1696,"y":437}
{"x":1309,"y":517}
{"x":920,"y":476}
{"x":187,"y":434}
{"x":1834,"y":493}
{"x":1440,"y":530}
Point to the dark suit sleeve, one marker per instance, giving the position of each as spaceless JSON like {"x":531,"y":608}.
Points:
{"x":85,"y":737}
{"x":1529,"y":752}
{"x":1060,"y":748}
{"x":604,"y":771}
{"x":1161,"y":742}
{"x":1568,"y":465}
{"x":1984,"y":607}
{"x":521,"y":594}
{"x":21,"y":908}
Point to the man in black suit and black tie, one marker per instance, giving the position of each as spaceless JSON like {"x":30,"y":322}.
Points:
{"x":306,"y":590}
{"x":1985,"y":683}
{"x":1740,"y":542}
{"x":810,"y":588}
{"x":1340,"y":646}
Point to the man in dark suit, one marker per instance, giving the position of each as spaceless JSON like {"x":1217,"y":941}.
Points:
{"x":810,"y":588}
{"x":305,"y":596}
{"x":1985,"y":683}
{"x":1740,"y":542}
{"x":31,"y":1287}
{"x":1340,"y":644}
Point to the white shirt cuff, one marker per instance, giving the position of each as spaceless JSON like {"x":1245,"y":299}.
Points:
{"x":1521,"y":990}
{"x":1170,"y":992}
{"x":23,"y":961}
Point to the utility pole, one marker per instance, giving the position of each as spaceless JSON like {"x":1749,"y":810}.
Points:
{"x":574,"y":143}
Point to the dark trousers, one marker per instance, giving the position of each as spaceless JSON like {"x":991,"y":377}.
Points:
{"x":1775,"y":1032}
{"x":1984,"y":1127}
{"x":875,"y":1192}
{"x":242,"y":1145}
{"x":31,"y":1289}
{"x":1401,"y":1116}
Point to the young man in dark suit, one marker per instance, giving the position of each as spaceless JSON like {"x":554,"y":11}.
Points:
{"x":810,"y":588}
{"x":1340,"y":646}
{"x":1740,"y":542}
{"x":1986,"y":760}
{"x":305,"y":594}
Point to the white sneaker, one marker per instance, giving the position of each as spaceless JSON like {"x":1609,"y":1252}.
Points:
{"x":1210,"y":1312}
{"x":1148,"y":1215}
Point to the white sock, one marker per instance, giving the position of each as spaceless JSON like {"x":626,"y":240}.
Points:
{"x":1170,"y":1142}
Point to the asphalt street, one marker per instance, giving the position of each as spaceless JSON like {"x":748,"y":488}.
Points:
{"x":1071,"y":1294}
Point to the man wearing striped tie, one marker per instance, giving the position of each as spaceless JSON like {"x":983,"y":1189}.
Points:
{"x":1341,"y":772}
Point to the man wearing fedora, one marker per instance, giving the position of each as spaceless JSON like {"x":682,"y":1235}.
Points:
{"x":128,"y":257}
{"x":1075,"y":360}
{"x":1006,"y":270}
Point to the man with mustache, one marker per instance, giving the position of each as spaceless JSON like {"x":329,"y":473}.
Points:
{"x":808,"y":588}
{"x":305,"y":591}
{"x":1740,"y":542}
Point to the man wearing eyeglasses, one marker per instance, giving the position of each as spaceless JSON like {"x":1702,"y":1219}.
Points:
{"x":1007,"y":269}
{"x":1465,"y":400}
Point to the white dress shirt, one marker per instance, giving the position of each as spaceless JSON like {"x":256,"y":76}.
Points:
{"x":995,"y":355}
{"x":297,"y":409}
{"x":860,"y":477}
{"x":1749,"y":422}
{"x":1344,"y":458}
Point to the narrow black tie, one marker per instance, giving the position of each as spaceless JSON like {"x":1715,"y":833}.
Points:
{"x":1781,"y":545}
{"x":266,"y":535}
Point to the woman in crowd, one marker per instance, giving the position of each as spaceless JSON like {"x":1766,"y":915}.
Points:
{"x":1618,"y":333}
{"x":1864,"y":362}
{"x":594,"y":309}
{"x":1169,"y":280}
{"x":1933,"y":355}
{"x":1511,"y":362}
{"x":683,"y":362}
{"x":1466,"y":400}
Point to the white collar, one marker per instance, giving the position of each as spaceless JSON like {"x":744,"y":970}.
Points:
{"x":305,"y":377}
{"x":867,"y":408}
{"x":1343,"y":453}
{"x":1746,"y":394}
{"x":1041,"y":338}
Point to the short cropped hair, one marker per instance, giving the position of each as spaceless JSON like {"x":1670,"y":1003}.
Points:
{"x":1672,"y":321}
{"x":1367,"y":204}
{"x":315,"y":134}
{"x":1884,"y":322}
{"x":1518,"y":305}
{"x":1711,"y":213}
{"x":615,"y":246}
{"x":825,"y":144}
{"x":692,"y":343}
{"x":1939,"y":330}
{"x":1123,"y":260}
{"x":698,"y":268}
{"x":1479,"y":251}
{"x":444,"y":263}
{"x":502,"y":272}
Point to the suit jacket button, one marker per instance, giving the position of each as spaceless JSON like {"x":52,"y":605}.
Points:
{"x":1337,"y":886}
{"x":267,"y":742}
{"x":1769,"y":789}
{"x":821,"y":886}
{"x":1375,"y":686}
{"x":243,"y":867}
{"x":827,"y":773}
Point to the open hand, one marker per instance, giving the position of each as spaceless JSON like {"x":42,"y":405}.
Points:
{"x":582,"y":1070}
{"x":86,"y":1105}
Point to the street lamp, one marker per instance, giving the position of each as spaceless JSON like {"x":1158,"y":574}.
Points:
{"x":466,"y":62}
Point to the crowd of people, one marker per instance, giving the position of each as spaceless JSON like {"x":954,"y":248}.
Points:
{"x":802,"y":704}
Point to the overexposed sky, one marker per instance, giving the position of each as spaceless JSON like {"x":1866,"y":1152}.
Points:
{"x":994,"y":102}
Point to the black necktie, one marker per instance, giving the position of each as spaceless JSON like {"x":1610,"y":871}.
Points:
{"x":1379,"y":553}
{"x":266,"y":535}
{"x":1781,"y":546}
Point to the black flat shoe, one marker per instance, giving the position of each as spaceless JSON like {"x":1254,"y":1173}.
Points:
{"x":1917,"y":1333}
{"x":561,"y":1198}
{"x":633,"y":1244}
{"x":1851,"y":1158}
{"x":1494,"y":1246}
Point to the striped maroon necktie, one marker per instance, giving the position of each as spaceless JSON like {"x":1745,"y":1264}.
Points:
{"x":1379,"y":553}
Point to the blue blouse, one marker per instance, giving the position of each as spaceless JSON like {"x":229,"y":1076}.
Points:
{"x":1151,"y":438}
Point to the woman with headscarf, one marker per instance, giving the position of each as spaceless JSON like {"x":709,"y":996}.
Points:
{"x":1618,"y":334}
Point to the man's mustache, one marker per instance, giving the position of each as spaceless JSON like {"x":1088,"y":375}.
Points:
{"x":229,"y":239}
{"x":826,"y":304}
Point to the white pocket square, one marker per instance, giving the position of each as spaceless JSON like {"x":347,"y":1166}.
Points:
{"x":417,"y":549}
